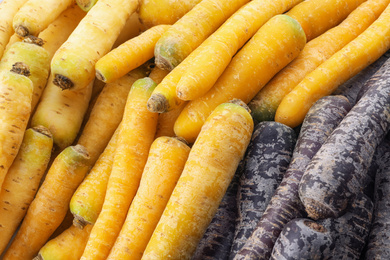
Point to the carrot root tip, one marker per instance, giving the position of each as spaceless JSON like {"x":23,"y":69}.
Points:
{"x":157,"y":103}
{"x":240,"y":103}
{"x":317,"y":210}
{"x":79,"y":222}
{"x":100,"y":76}
{"x":21,"y":68}
{"x":38,"y":257}
{"x":42,"y":130}
{"x":63,"y":82}
{"x":164,"y":63}
{"x":22,"y":31}
{"x":33,"y":40}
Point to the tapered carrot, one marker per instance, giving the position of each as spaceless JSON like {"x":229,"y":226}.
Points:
{"x":251,"y":68}
{"x":344,"y":64}
{"x":129,"y":55}
{"x":191,"y":30}
{"x":92,"y":38}
{"x":50,"y":205}
{"x":22,"y":180}
{"x":165,"y":163}
{"x":136,"y":135}
{"x":210,"y":167}
{"x":316,"y":51}
{"x":15,"y":108}
{"x":8,"y":9}
{"x":35,"y":15}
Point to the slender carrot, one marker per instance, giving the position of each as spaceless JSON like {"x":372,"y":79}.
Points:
{"x":163,"y":168}
{"x":251,"y":68}
{"x":129,"y":55}
{"x":207,"y":62}
{"x":191,"y":30}
{"x":35,"y":15}
{"x":136,"y":135}
{"x":22,"y":180}
{"x":8,"y":9}
{"x":15,"y":108}
{"x":49,"y":206}
{"x":316,"y":51}
{"x":344,"y":64}
{"x":103,"y":23}
{"x":210,"y":167}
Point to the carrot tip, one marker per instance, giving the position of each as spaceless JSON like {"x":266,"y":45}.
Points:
{"x":33,"y":40}
{"x":157,"y":103}
{"x":100,"y":76}
{"x":21,"y":68}
{"x":38,"y":257}
{"x":80,"y":222}
{"x":317,"y":210}
{"x":63,"y":82}
{"x":163,"y":63}
{"x":22,"y":31}
{"x":42,"y":130}
{"x":240,"y":103}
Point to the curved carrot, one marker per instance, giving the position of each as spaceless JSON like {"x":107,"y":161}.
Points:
{"x":136,"y":135}
{"x":344,"y":64}
{"x":50,"y":205}
{"x":210,"y":167}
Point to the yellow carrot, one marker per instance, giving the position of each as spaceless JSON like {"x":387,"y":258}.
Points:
{"x":207,"y":173}
{"x":343,"y":65}
{"x":15,"y":108}
{"x":318,"y":16}
{"x":191,"y":30}
{"x":165,"y":163}
{"x":8,"y":9}
{"x":157,"y":74}
{"x":251,"y":68}
{"x":136,"y":135}
{"x":50,"y":204}
{"x":35,"y":15}
{"x":69,"y":245}
{"x":92,"y":39}
{"x":22,"y":180}
{"x":107,"y":113}
{"x":263,"y":106}
{"x":129,"y":55}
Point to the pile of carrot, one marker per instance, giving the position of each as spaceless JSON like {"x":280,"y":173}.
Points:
{"x":194,"y":129}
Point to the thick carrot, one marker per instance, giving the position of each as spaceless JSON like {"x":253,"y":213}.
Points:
{"x":209,"y":60}
{"x":343,"y":65}
{"x":191,"y":30}
{"x":163,"y":168}
{"x":8,"y":9}
{"x":129,"y":55}
{"x":22,"y":180}
{"x":136,"y":135}
{"x":50,"y":204}
{"x":316,"y":51}
{"x":251,"y":68}
{"x":210,"y":167}
{"x":91,"y":39}
{"x":35,"y":15}
{"x":318,"y":16}
{"x":15,"y":109}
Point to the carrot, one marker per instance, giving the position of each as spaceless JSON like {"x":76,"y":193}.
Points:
{"x":131,"y":29}
{"x":50,"y":204}
{"x":87,"y":200}
{"x":107,"y":113}
{"x":69,"y":245}
{"x":210,"y":167}
{"x":191,"y":30}
{"x":316,"y":51}
{"x":15,"y":108}
{"x":211,"y":58}
{"x":91,"y":39}
{"x":14,"y":38}
{"x":8,"y":9}
{"x":22,"y":180}
{"x":129,"y":55}
{"x":35,"y":15}
{"x":136,"y":135}
{"x":155,"y":12}
{"x":86,"y":5}
{"x":30,"y":52}
{"x":164,"y":165}
{"x":247,"y":73}
{"x":343,"y":65}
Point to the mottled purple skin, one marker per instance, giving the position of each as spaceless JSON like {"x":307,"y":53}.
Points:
{"x":345,"y":157}
{"x":378,"y":246}
{"x":218,"y":237}
{"x":350,"y":231}
{"x":303,"y":239}
{"x":268,"y":156}
{"x":285,"y":205}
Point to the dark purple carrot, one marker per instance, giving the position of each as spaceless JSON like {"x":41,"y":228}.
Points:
{"x":285,"y":205}
{"x":378,"y":246}
{"x":303,"y":238}
{"x":339,"y":169}
{"x":268,"y":156}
